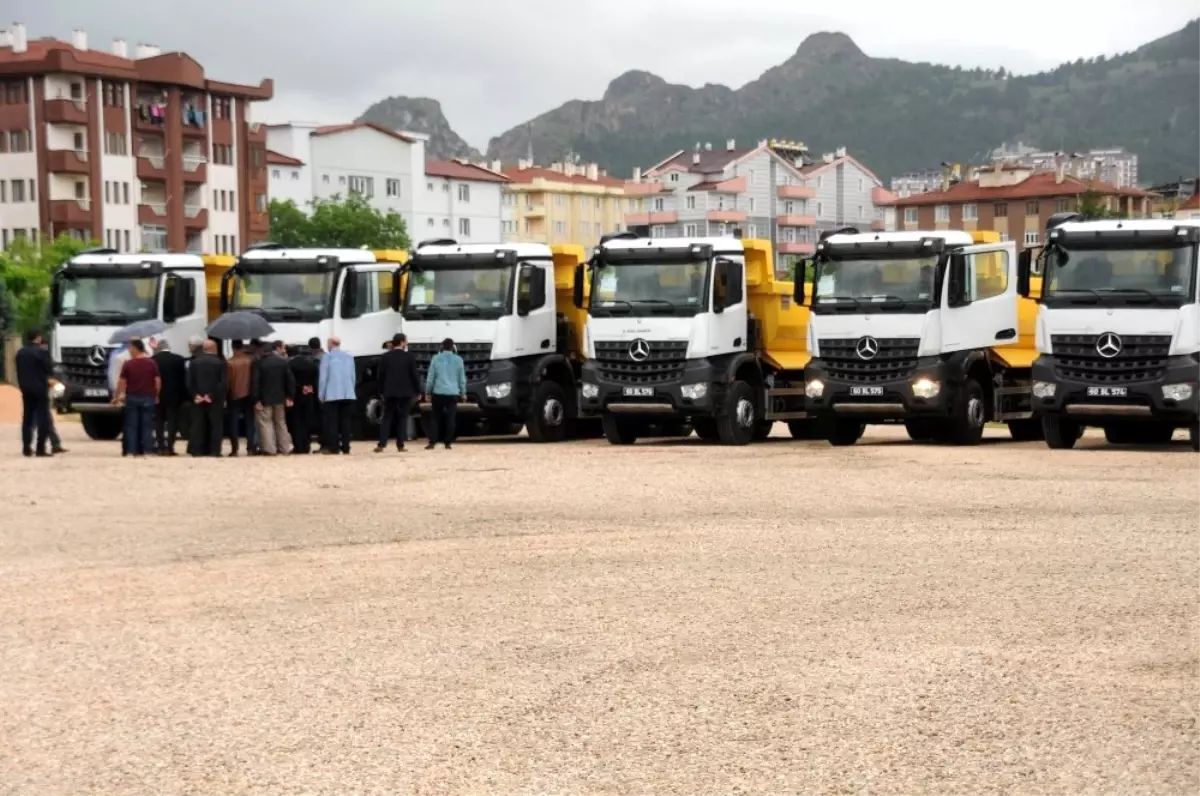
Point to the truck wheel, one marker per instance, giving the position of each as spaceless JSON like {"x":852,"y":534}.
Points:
{"x":102,"y":426}
{"x":1061,"y":432}
{"x":706,"y":428}
{"x":762,"y":430}
{"x":547,"y":418}
{"x":1194,"y":436}
{"x":1026,"y":430}
{"x":970,"y":416}
{"x":735,"y":426}
{"x":806,"y":429}
{"x":619,"y":432}
{"x":921,"y":430}
{"x":844,"y":432}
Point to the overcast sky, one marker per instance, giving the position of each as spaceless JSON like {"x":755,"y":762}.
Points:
{"x":492,"y":62}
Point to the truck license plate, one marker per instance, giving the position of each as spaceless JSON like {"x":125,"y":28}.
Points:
{"x":866,"y":391}
{"x":95,"y":392}
{"x":1107,"y":392}
{"x":638,"y":392}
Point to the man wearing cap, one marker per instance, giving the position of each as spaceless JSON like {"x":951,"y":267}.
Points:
{"x":399,"y":383}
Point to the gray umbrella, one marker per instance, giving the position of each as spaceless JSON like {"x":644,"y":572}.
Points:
{"x":141,"y":329}
{"x":240,"y":326}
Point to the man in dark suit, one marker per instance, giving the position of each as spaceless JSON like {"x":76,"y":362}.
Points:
{"x":399,"y":383}
{"x":274,"y":387}
{"x":208,"y":383}
{"x":303,"y":414}
{"x":34,"y":369}
{"x":172,"y":369}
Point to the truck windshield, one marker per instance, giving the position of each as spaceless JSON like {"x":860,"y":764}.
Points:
{"x":1117,"y":277}
{"x":448,"y":293}
{"x":649,"y":288}
{"x":875,"y":285}
{"x":109,"y":300}
{"x":282,"y":296}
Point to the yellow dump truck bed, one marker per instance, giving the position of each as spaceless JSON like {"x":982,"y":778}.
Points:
{"x":215,"y":266}
{"x":566,"y":257}
{"x":784,"y":324}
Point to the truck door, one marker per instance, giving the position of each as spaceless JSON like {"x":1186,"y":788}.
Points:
{"x":728,"y":326}
{"x":980,"y":298}
{"x":535,"y":329}
{"x":365,"y":318}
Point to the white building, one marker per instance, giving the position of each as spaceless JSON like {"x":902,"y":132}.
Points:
{"x":1111,"y":164}
{"x":388,"y":168}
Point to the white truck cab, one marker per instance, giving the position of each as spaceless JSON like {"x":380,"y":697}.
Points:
{"x":1119,"y":330}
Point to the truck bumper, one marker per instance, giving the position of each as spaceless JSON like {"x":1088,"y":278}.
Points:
{"x":879,"y":401}
{"x":1095,"y":403}
{"x":662,"y":399}
{"x":500,"y":402}
{"x":85,"y":399}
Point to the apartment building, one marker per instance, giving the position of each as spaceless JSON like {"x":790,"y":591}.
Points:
{"x":141,"y":152}
{"x":1113,"y":165}
{"x":773,"y":191}
{"x":388,"y":168}
{"x":919,"y":181}
{"x":1015,"y":201}
{"x":563,"y":203}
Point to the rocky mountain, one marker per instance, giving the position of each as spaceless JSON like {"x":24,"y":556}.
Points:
{"x":891,"y":114}
{"x":421,"y":115}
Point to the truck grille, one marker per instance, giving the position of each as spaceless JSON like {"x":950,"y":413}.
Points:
{"x":895,"y":360}
{"x":1141,"y":358}
{"x":475,"y":357}
{"x":664,"y":362}
{"x":78,"y":370}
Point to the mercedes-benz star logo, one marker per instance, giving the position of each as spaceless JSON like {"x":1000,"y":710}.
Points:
{"x":639,"y":349}
{"x":1108,"y":345}
{"x":867,"y":348}
{"x":97,"y":356}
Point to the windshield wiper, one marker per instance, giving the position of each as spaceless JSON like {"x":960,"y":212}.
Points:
{"x":1141,"y":291}
{"x":889,"y":301}
{"x":284,"y":309}
{"x":94,"y":314}
{"x":1077,"y":290}
{"x":465,"y":305}
{"x":609,"y":304}
{"x":658,"y":302}
{"x":836,"y":300}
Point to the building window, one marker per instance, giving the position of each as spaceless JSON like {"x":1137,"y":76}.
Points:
{"x":127,"y":246}
{"x":658,"y":231}
{"x":154,"y":238}
{"x":107,"y":198}
{"x":559,"y":200}
{"x":18,"y":190}
{"x":222,"y":155}
{"x":752,"y":231}
{"x":274,"y":174}
{"x":14,"y":93}
{"x":560,"y":227}
{"x":970,"y":212}
{"x":691,"y":203}
{"x":33,"y":193}
{"x":325,"y":179}
{"x":509,"y":227}
{"x":222,"y":108}
{"x":861,"y":212}
{"x":446,"y":187}
{"x":689,"y":230}
{"x":295,"y":174}
{"x":1032,"y":238}
{"x":260,"y":202}
{"x":125,"y":193}
{"x":674,"y":177}
{"x":941,"y":213}
{"x":464,"y":227}
{"x":429,"y":222}
{"x":1031,"y":207}
{"x":820,"y":180}
{"x":1000,"y":210}
{"x":820,"y":208}
{"x":363,"y":186}
{"x":862,"y":186}
{"x":659,"y":204}
{"x":910,"y":215}
{"x":114,"y":144}
{"x":464,"y":193}
{"x":393,"y":187}
{"x":3,"y":191}
{"x":429,"y":187}
{"x":1004,"y":237}
{"x":1062,"y":205}
{"x":751,"y":204}
{"x":18,"y":141}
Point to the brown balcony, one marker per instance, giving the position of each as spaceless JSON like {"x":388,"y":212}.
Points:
{"x":727,"y":216}
{"x":70,"y":211}
{"x":195,"y":217}
{"x":195,"y":169}
{"x":535,"y":211}
{"x":151,"y":167}
{"x":66,"y":111}
{"x":797,"y":248}
{"x":69,"y":161}
{"x":642,"y":219}
{"x":145,"y":122}
{"x":152,"y":213}
{"x":797,"y":221}
{"x":260,"y":222}
{"x":256,"y":133}
{"x":797,"y":192}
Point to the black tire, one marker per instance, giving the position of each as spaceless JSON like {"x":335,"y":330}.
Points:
{"x":618,"y":431}
{"x":706,"y":428}
{"x":1061,"y":432}
{"x":1026,"y":430}
{"x":762,"y":430}
{"x":547,"y":418}
{"x":806,"y":429}
{"x":970,"y":416}
{"x":1194,"y":436}
{"x":735,"y":425}
{"x":921,"y":430}
{"x":843,"y":432}
{"x":102,"y":426}
{"x":675,"y":428}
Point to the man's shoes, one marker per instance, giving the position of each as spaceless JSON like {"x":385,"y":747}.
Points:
{"x":27,"y":452}
{"x":329,"y":452}
{"x":430,"y":446}
{"x":400,"y":449}
{"x":43,"y":454}
{"x":58,"y":450}
{"x":232,"y":454}
{"x":447,"y":446}
{"x":380,"y":449}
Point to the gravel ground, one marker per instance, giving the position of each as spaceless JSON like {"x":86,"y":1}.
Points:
{"x":671,"y":618}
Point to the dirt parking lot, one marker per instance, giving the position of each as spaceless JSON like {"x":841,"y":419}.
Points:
{"x":672,"y":618}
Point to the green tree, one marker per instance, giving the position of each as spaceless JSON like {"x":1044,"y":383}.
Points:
{"x":1091,"y":206}
{"x":337,"y":223}
{"x":27,"y":269}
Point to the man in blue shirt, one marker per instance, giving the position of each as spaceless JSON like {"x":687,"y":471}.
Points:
{"x":336,"y":391}
{"x":445,"y":384}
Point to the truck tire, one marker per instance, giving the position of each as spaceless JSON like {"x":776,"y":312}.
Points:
{"x":806,"y":429}
{"x":969,"y":416}
{"x":618,"y":431}
{"x":706,"y":428}
{"x":102,"y":425}
{"x":921,"y":430}
{"x":1061,"y":432}
{"x":843,"y":432}
{"x":762,"y":429}
{"x":1026,"y":430}
{"x":547,"y":418}
{"x":1194,"y":436}
{"x":735,"y":425}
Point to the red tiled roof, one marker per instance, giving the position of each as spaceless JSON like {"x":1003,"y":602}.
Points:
{"x":1038,"y":185}
{"x":333,"y":129}
{"x":279,"y":159}
{"x":529,"y":175}
{"x":710,"y":160}
{"x":38,"y":49}
{"x":1191,"y":204}
{"x":453,"y":170}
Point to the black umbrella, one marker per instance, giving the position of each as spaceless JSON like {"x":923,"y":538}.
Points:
{"x":240,"y":326}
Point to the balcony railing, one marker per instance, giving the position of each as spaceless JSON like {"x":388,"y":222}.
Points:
{"x":191,"y":211}
{"x":193,"y":162}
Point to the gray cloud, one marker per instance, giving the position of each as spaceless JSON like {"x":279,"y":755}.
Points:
{"x":494,"y":64}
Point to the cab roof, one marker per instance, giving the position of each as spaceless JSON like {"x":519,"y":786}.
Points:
{"x":523,"y":250}
{"x":952,"y":237}
{"x":723,"y":245}
{"x":1132,"y":224}
{"x":348,"y":256}
{"x":168,"y":261}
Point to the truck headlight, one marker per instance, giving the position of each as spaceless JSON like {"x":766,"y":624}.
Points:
{"x":814,"y":388}
{"x":590,"y":390}
{"x":1044,"y":389}
{"x":694,"y":392}
{"x":59,"y":390}
{"x":498,"y":391}
{"x":1177,"y":392}
{"x":926,"y":388}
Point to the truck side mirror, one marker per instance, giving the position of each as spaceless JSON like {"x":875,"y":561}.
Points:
{"x":171,"y":299}
{"x":1024,"y":271}
{"x":720,"y":286}
{"x":55,"y":297}
{"x":350,"y":308}
{"x":799,"y":279}
{"x":396,"y":286}
{"x":580,"y":275}
{"x":956,"y":295}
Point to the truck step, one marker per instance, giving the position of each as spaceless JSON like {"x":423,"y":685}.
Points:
{"x":786,"y":416}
